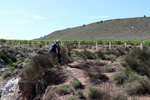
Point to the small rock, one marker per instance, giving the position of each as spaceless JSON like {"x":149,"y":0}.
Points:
{"x":20,"y":66}
{"x":18,"y":56}
{"x":2,"y":70}
{"x":2,"y":62}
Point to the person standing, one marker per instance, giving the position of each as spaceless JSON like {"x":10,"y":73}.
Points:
{"x":55,"y":48}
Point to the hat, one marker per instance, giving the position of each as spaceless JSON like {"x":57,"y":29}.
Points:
{"x":58,"y":41}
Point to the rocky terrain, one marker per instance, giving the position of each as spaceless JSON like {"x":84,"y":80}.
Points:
{"x":106,"y":74}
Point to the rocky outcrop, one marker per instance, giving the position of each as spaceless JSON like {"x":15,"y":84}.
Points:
{"x":10,"y":90}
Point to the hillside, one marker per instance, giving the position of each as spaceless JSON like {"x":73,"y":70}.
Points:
{"x":118,"y":29}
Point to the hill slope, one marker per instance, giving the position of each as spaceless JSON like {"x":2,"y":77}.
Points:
{"x":118,"y":29}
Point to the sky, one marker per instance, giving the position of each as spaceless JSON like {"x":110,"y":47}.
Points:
{"x":30,"y":19}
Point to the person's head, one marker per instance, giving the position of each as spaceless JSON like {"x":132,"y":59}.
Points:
{"x":58,"y":42}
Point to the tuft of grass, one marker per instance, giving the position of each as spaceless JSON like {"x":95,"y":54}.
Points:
{"x":98,"y":94}
{"x":79,"y":94}
{"x":77,"y":84}
{"x":73,"y":98}
{"x":120,"y":97}
{"x":120,"y":59}
{"x":109,"y":69}
{"x":119,"y":78}
{"x":5,"y":75}
{"x":63,"y":90}
{"x":51,"y":96}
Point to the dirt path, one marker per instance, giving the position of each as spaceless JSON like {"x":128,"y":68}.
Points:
{"x":74,"y":71}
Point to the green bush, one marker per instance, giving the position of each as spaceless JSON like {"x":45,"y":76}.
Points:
{"x":120,"y":97}
{"x":121,"y":51}
{"x":126,"y":75}
{"x":138,"y":87}
{"x":79,"y":94}
{"x":109,"y":69}
{"x":119,"y":78}
{"x":87,"y":55}
{"x":63,"y":90}
{"x":110,"y":57}
{"x":77,"y":84}
{"x":73,"y":98}
{"x":100,"y":54}
{"x":7,"y":57}
{"x":139,"y":61}
{"x":120,"y":59}
{"x":98,"y":94}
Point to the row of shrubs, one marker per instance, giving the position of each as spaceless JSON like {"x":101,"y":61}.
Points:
{"x":115,"y":42}
{"x":135,"y":76}
{"x":133,"y":83}
{"x":108,"y":54}
{"x":93,"y":93}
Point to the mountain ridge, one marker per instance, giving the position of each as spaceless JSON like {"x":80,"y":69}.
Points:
{"x":118,"y":29}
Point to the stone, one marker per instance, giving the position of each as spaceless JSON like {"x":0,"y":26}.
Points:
{"x":2,"y":62}
{"x":20,"y":66}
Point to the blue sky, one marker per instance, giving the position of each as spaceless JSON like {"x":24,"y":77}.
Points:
{"x":30,"y":19}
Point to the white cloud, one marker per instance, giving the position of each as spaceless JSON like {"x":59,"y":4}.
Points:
{"x":92,"y":17}
{"x":37,"y":17}
{"x":19,"y":22}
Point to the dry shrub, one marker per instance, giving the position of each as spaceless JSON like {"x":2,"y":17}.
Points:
{"x":138,"y":87}
{"x":7,"y":56}
{"x":95,"y":74}
{"x":139,"y":61}
{"x":86,"y":55}
{"x":100,"y":54}
{"x":63,"y":90}
{"x":120,"y":97}
{"x":97,"y":94}
{"x":40,"y":68}
{"x":65,"y":58}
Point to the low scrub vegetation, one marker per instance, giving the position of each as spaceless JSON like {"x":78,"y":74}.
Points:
{"x":77,"y":84}
{"x":138,"y":87}
{"x":139,"y":61}
{"x":95,"y":74}
{"x":5,"y":75}
{"x":63,"y":90}
{"x":120,"y":97}
{"x":40,"y":68}
{"x":7,"y":57}
{"x":79,"y":94}
{"x":86,"y":55}
{"x":98,"y":94}
{"x":109,"y":69}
